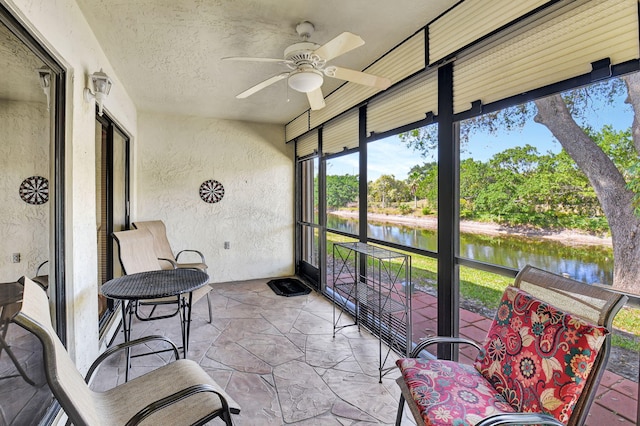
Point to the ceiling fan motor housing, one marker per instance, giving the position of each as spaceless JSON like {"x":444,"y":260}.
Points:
{"x":306,"y":65}
{"x":302,"y":54}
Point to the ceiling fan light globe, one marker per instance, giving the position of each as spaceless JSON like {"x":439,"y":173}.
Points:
{"x":305,"y":82}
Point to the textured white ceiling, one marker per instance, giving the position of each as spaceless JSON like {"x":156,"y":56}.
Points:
{"x":167,"y":52}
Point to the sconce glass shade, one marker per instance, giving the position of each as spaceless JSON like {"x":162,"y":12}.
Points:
{"x":44,"y":78}
{"x":101,"y":87}
{"x":305,"y":81}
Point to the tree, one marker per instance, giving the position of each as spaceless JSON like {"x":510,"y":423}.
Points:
{"x":559,"y":186}
{"x":616,"y":200}
{"x":414,"y":181}
{"x":341,"y":190}
{"x":474,"y":176}
{"x":428,"y":184}
{"x":561,"y":114}
{"x":387,"y":189}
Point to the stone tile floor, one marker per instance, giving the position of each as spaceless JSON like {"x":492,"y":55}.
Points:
{"x":277,"y":357}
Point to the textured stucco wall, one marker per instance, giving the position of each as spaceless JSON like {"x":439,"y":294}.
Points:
{"x":24,"y":152}
{"x":176,"y":154}
{"x":60,"y":26}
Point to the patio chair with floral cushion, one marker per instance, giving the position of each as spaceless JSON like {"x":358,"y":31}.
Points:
{"x":540,"y":363}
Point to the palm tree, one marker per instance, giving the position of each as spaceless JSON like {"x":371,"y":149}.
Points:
{"x":413,"y":181}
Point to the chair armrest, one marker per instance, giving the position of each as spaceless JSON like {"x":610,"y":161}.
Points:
{"x":174,"y":264}
{"x":442,"y":339}
{"x":117,"y":348}
{"x":192,"y":251}
{"x":175,"y":397}
{"x":520,"y":419}
{"x":40,"y":267}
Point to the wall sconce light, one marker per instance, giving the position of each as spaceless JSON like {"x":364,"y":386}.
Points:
{"x":44,"y":77}
{"x":101,"y":84}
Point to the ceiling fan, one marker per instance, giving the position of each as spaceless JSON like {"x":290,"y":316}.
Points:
{"x":308,"y":64}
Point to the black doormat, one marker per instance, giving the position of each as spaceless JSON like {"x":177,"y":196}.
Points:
{"x":288,"y":287}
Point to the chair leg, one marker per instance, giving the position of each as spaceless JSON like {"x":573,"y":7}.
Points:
{"x":209,"y":303}
{"x":4,"y":345}
{"x":226,"y":417}
{"x":400,"y":410}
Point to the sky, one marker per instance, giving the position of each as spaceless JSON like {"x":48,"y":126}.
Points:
{"x":390,"y":156}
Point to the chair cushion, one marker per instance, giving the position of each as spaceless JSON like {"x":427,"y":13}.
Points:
{"x":122,"y":402}
{"x":449,"y":393}
{"x":537,"y":356}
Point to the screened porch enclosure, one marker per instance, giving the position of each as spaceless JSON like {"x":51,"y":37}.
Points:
{"x":526,"y":52}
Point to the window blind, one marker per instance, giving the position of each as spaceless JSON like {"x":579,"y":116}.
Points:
{"x":341,"y":133}
{"x":471,"y":20}
{"x":545,"y":52}
{"x":307,"y":144}
{"x":404,"y":105}
{"x":297,"y":126}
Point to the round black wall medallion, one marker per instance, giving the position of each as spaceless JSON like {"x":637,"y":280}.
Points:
{"x":35,"y":190}
{"x":211,"y":191}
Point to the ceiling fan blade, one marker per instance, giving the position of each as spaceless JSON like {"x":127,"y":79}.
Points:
{"x":341,"y":44}
{"x":316,"y":99}
{"x":250,"y":59}
{"x":260,"y":86}
{"x":358,"y":77}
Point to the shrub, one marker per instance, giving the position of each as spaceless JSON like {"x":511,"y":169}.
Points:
{"x":405,"y":209}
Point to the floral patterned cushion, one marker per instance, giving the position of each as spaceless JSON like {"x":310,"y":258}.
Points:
{"x":537,"y":356}
{"x":448,"y":393}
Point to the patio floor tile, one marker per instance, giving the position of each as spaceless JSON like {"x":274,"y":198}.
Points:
{"x":278,"y":358}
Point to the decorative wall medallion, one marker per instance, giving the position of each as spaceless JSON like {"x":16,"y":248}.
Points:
{"x":211,"y":191}
{"x":35,"y":190}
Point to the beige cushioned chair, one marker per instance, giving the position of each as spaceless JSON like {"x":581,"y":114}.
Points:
{"x":137,"y":254}
{"x":169,"y":261}
{"x":40,"y":278}
{"x":178,"y":393}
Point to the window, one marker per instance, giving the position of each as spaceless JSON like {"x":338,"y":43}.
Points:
{"x":342,"y":193}
{"x":402,"y":196}
{"x":523,"y":198}
{"x":310,"y":211}
{"x":112,"y":203}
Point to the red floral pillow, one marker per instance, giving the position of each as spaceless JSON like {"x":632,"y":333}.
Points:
{"x":537,"y":356}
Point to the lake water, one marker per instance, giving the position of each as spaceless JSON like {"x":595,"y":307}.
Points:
{"x":589,"y":264}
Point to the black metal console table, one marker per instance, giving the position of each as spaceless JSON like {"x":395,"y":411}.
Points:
{"x":374,"y":285}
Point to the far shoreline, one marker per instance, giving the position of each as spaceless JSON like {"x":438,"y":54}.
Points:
{"x":568,"y":237}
